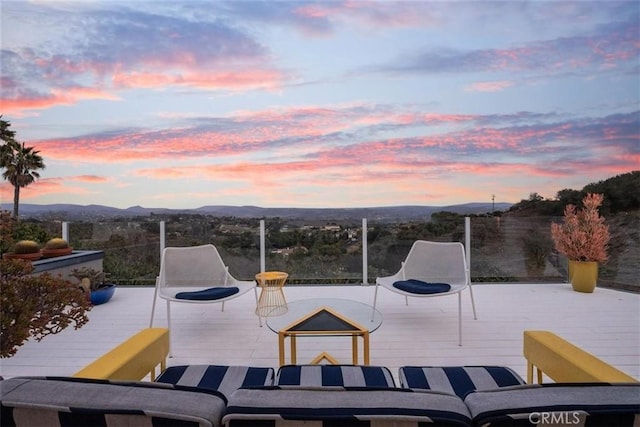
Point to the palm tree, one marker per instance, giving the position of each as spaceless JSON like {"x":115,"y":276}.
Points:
{"x":6,"y":133}
{"x":20,"y":163}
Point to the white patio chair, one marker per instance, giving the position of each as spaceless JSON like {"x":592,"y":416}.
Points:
{"x":431,"y":269}
{"x":197,"y":275}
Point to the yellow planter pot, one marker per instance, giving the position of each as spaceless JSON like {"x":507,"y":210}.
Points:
{"x":583,"y":275}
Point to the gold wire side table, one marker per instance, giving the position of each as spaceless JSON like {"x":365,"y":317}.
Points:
{"x":271,"y":301}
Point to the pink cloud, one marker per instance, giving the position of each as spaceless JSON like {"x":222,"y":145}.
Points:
{"x":67,"y":96}
{"x":223,"y":80}
{"x":89,"y":178}
{"x":495,"y":86}
{"x":41,"y":187}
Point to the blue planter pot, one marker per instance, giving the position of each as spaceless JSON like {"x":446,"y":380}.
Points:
{"x":102,"y":295}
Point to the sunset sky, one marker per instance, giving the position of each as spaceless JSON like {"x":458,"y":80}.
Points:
{"x":181,"y":104}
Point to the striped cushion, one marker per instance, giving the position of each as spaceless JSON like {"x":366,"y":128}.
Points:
{"x":361,"y":407}
{"x":225,"y":379}
{"x":557,"y":404}
{"x":459,"y":380}
{"x":62,"y":402}
{"x":334,"y":375}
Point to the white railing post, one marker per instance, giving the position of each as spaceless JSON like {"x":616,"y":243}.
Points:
{"x":365,"y":261}
{"x":467,"y":241}
{"x":263,"y":258}
{"x":162,"y":239}
{"x":65,"y":230}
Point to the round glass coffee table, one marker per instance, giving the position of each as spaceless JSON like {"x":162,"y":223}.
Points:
{"x":325,"y":317}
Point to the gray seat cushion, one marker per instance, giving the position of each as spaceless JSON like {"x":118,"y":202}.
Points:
{"x":557,"y":404}
{"x":334,"y":375}
{"x":459,"y":380}
{"x":225,"y":379}
{"x":53,"y":401}
{"x":344,"y":407}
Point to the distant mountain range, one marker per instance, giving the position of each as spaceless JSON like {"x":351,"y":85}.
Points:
{"x":391,"y":213}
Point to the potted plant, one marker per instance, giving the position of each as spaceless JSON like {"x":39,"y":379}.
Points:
{"x":94,"y":283}
{"x":583,"y":237}
{"x":25,"y":249}
{"x":56,"y":247}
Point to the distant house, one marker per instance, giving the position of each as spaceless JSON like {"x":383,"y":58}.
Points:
{"x":285,"y":252}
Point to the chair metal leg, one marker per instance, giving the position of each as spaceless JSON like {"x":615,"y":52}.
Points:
{"x":169,"y":327}
{"x":473,"y":304}
{"x":153,"y":307}
{"x":460,"y":319}
{"x":375,"y":298}
{"x":255,"y":292}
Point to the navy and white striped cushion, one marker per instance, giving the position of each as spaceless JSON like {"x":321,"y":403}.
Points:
{"x":62,"y":402}
{"x":334,"y":376}
{"x":557,"y":404}
{"x":459,"y":380}
{"x":358,"y":407}
{"x":225,"y":379}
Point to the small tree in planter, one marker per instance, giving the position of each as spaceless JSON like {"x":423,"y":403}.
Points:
{"x":583,"y":237}
{"x":94,"y":283}
{"x":35,"y":306}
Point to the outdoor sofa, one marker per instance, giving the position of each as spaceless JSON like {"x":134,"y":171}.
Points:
{"x":314,"y":395}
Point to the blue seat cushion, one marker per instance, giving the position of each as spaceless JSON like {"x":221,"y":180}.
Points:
{"x":459,"y":380}
{"x":419,"y":287}
{"x":210,"y":294}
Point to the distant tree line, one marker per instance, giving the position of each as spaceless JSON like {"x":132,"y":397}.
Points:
{"x":621,"y":194}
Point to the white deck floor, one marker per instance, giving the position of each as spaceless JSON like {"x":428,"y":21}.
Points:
{"x":605,"y":323}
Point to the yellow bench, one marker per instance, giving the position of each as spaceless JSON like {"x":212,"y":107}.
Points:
{"x":564,"y":362}
{"x":132,"y":360}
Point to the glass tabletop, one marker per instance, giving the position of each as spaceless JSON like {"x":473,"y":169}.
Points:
{"x":353,"y":310}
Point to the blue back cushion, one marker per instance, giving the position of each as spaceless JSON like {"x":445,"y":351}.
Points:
{"x":459,"y":380}
{"x":334,"y":376}
{"x":225,"y":379}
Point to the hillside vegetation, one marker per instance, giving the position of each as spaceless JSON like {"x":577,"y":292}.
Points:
{"x":506,"y":246}
{"x":621,"y":208}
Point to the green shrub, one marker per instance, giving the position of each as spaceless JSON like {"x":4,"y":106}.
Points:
{"x":36,"y":306}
